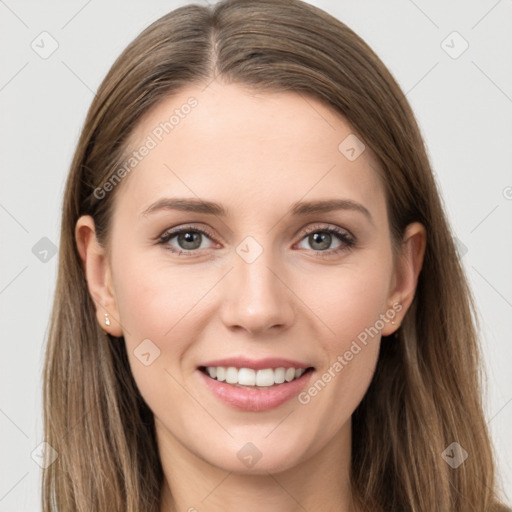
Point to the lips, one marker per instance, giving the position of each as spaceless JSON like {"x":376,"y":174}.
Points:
{"x":250,"y":397}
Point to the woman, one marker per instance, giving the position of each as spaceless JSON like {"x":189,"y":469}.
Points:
{"x":259,"y":303}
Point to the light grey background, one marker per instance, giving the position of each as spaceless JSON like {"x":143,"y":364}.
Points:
{"x":463,"y":105}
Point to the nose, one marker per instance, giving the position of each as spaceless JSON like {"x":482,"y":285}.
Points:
{"x":256,"y":297}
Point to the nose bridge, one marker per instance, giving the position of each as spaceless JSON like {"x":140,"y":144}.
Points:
{"x":257,"y":299}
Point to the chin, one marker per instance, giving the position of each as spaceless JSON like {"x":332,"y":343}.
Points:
{"x":258,"y":457}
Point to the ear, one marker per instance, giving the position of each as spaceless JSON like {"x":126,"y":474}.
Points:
{"x":98,"y":275}
{"x":405,"y":277}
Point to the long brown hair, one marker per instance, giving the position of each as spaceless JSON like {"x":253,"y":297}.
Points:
{"x":426,"y":391}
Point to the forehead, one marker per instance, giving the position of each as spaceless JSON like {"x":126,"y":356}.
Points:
{"x":230,"y":143}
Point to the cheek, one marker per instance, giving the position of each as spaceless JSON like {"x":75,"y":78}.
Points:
{"x":167,"y":304}
{"x":153,"y":297}
{"x":349,"y":300}
{"x":156,"y":308}
{"x":352,"y":305}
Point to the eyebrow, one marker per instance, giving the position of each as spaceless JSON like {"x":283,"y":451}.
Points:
{"x":300,"y":208}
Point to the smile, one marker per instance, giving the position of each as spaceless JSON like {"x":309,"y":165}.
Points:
{"x":256,"y":379}
{"x":254,"y":390}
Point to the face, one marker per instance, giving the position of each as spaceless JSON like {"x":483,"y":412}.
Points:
{"x":257,"y":281}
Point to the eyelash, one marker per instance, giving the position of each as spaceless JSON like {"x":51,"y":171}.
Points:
{"x":347,"y":241}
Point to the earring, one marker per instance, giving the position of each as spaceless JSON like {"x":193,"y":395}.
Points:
{"x":107,"y":319}
{"x":393,"y":322}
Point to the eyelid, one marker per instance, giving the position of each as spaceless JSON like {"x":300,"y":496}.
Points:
{"x":349,"y":242}
{"x":172,"y":232}
{"x":323,"y":226}
{"x":316,"y":226}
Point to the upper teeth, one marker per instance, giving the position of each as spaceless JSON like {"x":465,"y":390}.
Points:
{"x":250,"y":377}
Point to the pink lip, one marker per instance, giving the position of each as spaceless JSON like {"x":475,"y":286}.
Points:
{"x":255,"y":400}
{"x":259,"y":364}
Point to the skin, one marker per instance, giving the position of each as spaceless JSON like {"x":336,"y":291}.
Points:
{"x":256,"y":154}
